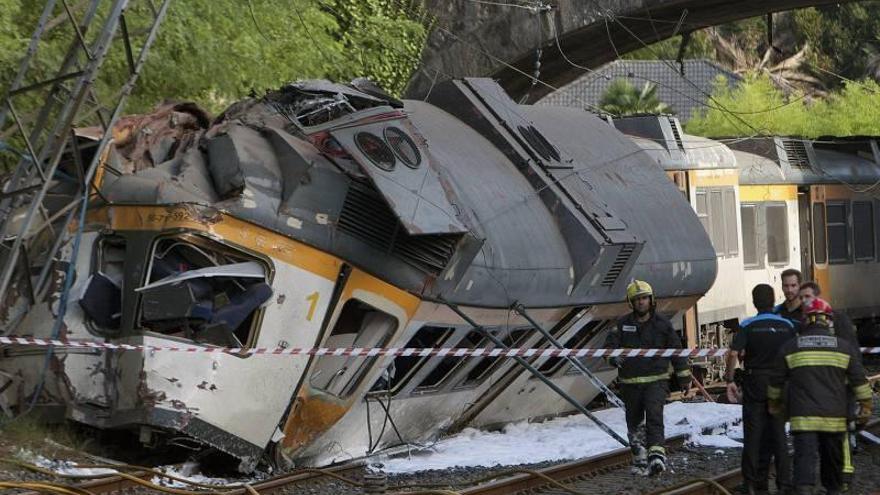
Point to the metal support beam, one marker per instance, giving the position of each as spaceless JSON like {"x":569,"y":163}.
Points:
{"x":537,"y":374}
{"x":575,"y":362}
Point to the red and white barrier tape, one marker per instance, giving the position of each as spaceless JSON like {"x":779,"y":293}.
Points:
{"x":391,"y":351}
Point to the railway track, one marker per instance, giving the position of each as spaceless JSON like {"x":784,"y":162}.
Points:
{"x":140,"y":478}
{"x":523,"y":480}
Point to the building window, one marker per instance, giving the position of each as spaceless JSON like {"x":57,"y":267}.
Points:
{"x":777,"y":233}
{"x":838,"y":232}
{"x":749,"y":215}
{"x":863,"y":230}
{"x":716,"y":208}
{"x":358,"y":325}
{"x":820,"y":248}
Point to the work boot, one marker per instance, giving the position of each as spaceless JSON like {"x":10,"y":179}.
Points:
{"x":656,"y":465}
{"x":640,"y":460}
{"x":656,"y":460}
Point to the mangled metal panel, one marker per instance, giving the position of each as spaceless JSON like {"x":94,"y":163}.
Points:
{"x":399,"y":163}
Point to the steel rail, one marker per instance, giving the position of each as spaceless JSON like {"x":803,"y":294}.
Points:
{"x":114,"y":483}
{"x":588,"y":467}
{"x":730,"y":479}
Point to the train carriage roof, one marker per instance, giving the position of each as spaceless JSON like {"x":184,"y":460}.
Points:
{"x":785,"y":160}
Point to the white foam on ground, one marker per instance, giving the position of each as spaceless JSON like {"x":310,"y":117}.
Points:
{"x":568,"y":438}
{"x":189,"y":472}
{"x":63,"y":467}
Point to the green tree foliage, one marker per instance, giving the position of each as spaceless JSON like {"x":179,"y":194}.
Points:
{"x":622,"y":98}
{"x":218,"y":51}
{"x":383,"y":38}
{"x":843,"y":37}
{"x":760,"y":106}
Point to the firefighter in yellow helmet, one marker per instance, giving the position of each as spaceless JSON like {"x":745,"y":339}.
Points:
{"x":644,"y":381}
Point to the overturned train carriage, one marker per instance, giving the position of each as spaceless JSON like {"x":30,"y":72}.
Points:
{"x":334,"y":215}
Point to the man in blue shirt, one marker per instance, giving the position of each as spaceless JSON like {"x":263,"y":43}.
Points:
{"x":757,"y":344}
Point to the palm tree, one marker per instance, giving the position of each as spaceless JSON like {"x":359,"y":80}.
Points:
{"x":622,"y":98}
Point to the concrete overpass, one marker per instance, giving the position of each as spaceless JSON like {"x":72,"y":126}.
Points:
{"x":501,"y":38}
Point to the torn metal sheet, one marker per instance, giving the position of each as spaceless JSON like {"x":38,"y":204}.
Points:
{"x":248,"y":269}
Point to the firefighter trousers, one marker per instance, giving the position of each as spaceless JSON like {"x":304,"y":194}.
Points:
{"x":763,"y":439}
{"x":834,"y":459}
{"x":644,"y":404}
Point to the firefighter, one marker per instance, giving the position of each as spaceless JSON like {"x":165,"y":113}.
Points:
{"x":791,"y":285}
{"x":817,"y":368}
{"x":757,"y":343}
{"x":841,"y":326}
{"x":644,"y":381}
{"x":840,"y":323}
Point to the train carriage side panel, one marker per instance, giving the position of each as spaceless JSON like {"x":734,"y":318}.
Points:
{"x":770,"y":235}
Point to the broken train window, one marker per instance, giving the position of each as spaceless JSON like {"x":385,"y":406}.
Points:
{"x":447,"y":366}
{"x":102,"y":299}
{"x":204,"y":291}
{"x":359,"y":325}
{"x":487,"y":365}
{"x":404,"y":368}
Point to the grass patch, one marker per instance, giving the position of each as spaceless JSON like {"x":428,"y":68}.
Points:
{"x":31,"y":433}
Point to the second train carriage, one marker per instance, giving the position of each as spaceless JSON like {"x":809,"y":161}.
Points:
{"x":774,"y":203}
{"x":333,"y":215}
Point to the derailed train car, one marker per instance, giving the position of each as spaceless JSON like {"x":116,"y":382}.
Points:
{"x":336,"y":216}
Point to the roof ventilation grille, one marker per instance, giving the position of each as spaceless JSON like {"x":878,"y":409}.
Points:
{"x":796,"y":151}
{"x":366,"y":216}
{"x":619,"y":264}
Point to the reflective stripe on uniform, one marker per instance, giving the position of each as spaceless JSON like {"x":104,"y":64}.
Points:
{"x":645,"y":379}
{"x":847,"y":461}
{"x":774,"y":392}
{"x":818,"y":423}
{"x":683,"y":373}
{"x":863,"y":391}
{"x":817,"y":358}
{"x":657,"y":449}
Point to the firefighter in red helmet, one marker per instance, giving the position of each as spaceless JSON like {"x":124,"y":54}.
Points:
{"x":815,"y":369}
{"x":644,"y":381}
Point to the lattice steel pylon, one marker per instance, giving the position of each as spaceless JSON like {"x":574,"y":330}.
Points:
{"x":39,"y":201}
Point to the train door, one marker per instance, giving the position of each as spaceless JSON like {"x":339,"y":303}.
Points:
{"x":368,"y":314}
{"x":806,"y":232}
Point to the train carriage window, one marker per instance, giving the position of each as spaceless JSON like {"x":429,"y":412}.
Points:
{"x":716,"y":208}
{"x":749,"y":215}
{"x":102,"y":299}
{"x":576,"y":341}
{"x":731,"y":242}
{"x":447,"y":365}
{"x":820,"y":249}
{"x":405,"y":367}
{"x":201,"y":290}
{"x":358,"y":325}
{"x":863,"y":230}
{"x":777,"y":233}
{"x":838,"y":232}
{"x":716,"y":218}
{"x":487,"y":365}
{"x":703,"y":211}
